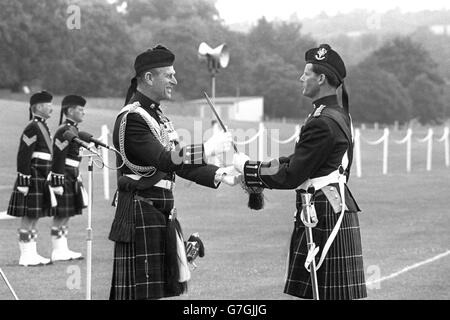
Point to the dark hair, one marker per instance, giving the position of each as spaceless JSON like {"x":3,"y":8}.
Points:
{"x":332,"y":79}
{"x":140,"y":76}
{"x":66,"y":108}
{"x":64,"y":111}
{"x":137,"y":79}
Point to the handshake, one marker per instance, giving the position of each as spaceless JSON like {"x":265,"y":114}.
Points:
{"x":222,"y":142}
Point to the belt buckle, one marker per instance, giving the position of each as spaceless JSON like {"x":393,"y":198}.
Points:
{"x":168,"y":185}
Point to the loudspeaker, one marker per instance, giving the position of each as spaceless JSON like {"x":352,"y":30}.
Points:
{"x":219,"y":56}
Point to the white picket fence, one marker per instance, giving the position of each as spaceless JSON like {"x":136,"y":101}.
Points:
{"x":429,"y":139}
{"x":263,"y":133}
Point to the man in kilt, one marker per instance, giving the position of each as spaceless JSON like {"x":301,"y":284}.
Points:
{"x":149,"y":252}
{"x":65,"y":177}
{"x":322,"y":158}
{"x":32,"y":197}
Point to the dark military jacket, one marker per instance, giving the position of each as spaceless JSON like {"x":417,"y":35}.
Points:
{"x":318,"y":151}
{"x":144,"y":149}
{"x":35,"y":138}
{"x":63,"y":149}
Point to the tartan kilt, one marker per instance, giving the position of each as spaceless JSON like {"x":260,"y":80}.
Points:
{"x":341,"y":276}
{"x":36,"y":204}
{"x":140,"y":266}
{"x":70,"y":203}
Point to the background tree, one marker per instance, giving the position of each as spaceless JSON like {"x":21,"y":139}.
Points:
{"x":377,"y":95}
{"x":406,"y":59}
{"x":426,"y":98}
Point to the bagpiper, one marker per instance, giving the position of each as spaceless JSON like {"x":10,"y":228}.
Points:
{"x":66,"y":180}
{"x":32,"y":197}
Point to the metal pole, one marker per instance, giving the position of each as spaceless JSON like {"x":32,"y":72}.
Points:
{"x":89,"y":231}
{"x":105,"y":156}
{"x":8,"y":284}
{"x":313,"y":271}
{"x":309,"y":219}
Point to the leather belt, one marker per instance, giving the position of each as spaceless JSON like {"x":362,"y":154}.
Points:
{"x":41,"y":155}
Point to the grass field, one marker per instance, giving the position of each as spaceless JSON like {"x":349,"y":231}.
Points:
{"x":405,"y":220}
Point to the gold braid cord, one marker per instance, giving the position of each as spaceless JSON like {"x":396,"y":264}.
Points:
{"x":161,"y":135}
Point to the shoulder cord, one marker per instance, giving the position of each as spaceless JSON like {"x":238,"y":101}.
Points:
{"x":143,"y":171}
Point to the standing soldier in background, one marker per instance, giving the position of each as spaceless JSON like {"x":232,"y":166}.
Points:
{"x":322,"y":158}
{"x":65,"y":177}
{"x":149,"y":253}
{"x":32,"y":197}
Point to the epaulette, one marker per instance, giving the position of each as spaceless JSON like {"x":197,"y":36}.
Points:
{"x":61,"y":126}
{"x":130,"y":107}
{"x":318,"y":111}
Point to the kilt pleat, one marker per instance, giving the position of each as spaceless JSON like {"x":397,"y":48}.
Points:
{"x":35,"y":204}
{"x":70,"y":202}
{"x":341,"y":276}
{"x":124,"y":286}
{"x":139,"y":266}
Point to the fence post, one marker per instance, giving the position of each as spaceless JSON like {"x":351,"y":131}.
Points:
{"x":261,"y":142}
{"x":408,"y":150}
{"x":429,"y":149}
{"x":446,"y":147}
{"x":105,"y":156}
{"x":385,"y":150}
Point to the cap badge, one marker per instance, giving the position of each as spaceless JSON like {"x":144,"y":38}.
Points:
{"x":321,"y":54}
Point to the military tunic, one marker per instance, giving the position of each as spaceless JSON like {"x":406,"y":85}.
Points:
{"x":66,"y":172}
{"x":144,"y":213}
{"x":318,"y":152}
{"x":34,"y":160}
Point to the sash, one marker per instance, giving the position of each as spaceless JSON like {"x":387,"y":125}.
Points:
{"x":46,"y":136}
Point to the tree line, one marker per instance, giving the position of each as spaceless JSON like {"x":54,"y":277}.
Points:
{"x":399,"y":81}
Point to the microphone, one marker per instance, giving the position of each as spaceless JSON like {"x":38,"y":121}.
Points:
{"x":70,"y":136}
{"x":89,"y":138}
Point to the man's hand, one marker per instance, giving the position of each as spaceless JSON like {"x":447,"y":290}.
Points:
{"x":239,"y":160}
{"x":23,"y":190}
{"x":218,"y":143}
{"x":228,"y":175}
{"x":58,"y":190}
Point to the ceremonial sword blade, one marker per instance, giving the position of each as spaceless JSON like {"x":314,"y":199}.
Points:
{"x":218,"y":118}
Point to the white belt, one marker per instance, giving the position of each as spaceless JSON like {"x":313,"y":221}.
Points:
{"x":320,"y":182}
{"x":41,"y":155}
{"x":72,"y":163}
{"x":165,"y":184}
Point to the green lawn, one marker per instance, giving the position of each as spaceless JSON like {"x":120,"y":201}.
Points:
{"x":404,"y":221}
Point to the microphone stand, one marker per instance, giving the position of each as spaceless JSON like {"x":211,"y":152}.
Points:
{"x":89,"y":230}
{"x":89,"y":224}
